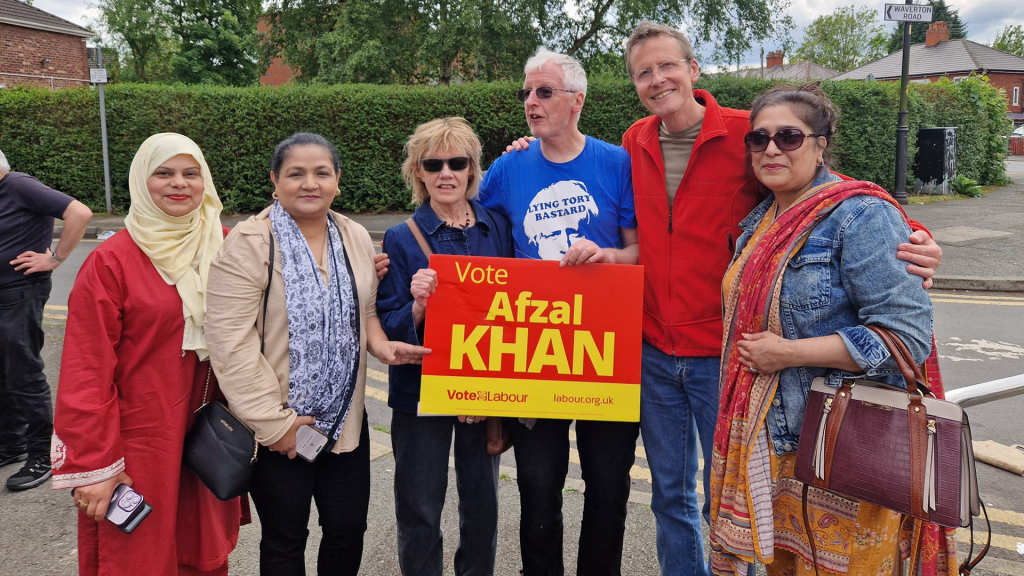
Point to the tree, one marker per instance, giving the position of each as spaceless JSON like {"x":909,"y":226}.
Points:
{"x":218,"y":42}
{"x":918,"y":32}
{"x":296,"y":27}
{"x":385,"y":41}
{"x":1010,"y":39}
{"x":729,"y":27}
{"x":140,"y":28}
{"x":441,"y":41}
{"x":843,"y":40}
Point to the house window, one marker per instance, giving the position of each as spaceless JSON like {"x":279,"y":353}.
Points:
{"x":958,"y":79}
{"x":921,"y":81}
{"x":1016,"y":95}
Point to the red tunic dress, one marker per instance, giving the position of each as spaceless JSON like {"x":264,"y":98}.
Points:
{"x":124,"y":402}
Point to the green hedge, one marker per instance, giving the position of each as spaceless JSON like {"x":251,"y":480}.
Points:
{"x":55,"y":136}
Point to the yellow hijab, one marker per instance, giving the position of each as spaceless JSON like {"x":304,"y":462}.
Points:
{"x":182,"y":247}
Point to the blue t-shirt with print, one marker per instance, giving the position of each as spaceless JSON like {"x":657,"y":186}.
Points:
{"x":553,"y":205}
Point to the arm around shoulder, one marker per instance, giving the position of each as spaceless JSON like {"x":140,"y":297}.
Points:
{"x":879,"y":286}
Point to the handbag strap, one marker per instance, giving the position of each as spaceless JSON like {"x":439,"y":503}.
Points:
{"x":807,"y":530}
{"x":910,"y":370}
{"x":968,"y":564}
{"x":418,"y":234}
{"x":266,"y":296}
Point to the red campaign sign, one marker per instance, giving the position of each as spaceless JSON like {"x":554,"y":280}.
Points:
{"x":528,"y":338}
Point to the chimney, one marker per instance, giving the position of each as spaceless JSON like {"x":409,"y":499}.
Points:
{"x":774,"y":59}
{"x":937,"y":32}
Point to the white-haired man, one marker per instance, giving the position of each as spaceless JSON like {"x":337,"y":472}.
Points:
{"x":27,"y":210}
{"x":569,"y":199}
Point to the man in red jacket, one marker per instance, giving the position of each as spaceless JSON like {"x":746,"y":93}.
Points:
{"x":692,"y":187}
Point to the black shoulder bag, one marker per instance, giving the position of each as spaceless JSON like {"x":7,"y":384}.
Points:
{"x":219,"y":449}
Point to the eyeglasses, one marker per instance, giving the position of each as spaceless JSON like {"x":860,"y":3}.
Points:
{"x":456,"y":164}
{"x":787,"y":139}
{"x":543,"y":92}
{"x":646,"y":75}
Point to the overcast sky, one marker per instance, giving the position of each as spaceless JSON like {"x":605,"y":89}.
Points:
{"x":984,"y":18}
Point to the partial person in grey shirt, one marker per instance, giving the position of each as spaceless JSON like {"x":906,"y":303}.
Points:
{"x":27,"y":210}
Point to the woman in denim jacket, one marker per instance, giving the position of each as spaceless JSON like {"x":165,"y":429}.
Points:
{"x":814,"y":267}
{"x":442,"y":168}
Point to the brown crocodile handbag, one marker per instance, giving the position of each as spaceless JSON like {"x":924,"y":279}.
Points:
{"x":899,"y":449}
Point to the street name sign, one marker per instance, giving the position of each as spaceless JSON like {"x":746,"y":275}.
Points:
{"x":907,"y":13}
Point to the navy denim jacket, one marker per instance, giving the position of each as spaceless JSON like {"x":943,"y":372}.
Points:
{"x":490,"y":236}
{"x":845,"y":277}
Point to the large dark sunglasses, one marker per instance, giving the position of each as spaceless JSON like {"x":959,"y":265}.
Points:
{"x":544,"y":92}
{"x":457,"y":164}
{"x":786,"y":139}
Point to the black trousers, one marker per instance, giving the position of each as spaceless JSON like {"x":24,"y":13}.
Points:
{"x":607,"y":452}
{"x":283,"y":490}
{"x":26,"y":410}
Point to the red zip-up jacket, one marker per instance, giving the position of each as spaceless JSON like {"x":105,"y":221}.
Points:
{"x":685,"y":251}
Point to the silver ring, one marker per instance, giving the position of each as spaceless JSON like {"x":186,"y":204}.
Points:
{"x":752,"y":370}
{"x":469,"y":420}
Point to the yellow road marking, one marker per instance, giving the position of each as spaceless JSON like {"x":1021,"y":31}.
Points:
{"x":642,"y":473}
{"x":1006,"y":517}
{"x":55,"y":307}
{"x":987,"y":303}
{"x":975,"y":296}
{"x":55,"y":317}
{"x":963,"y":536}
{"x":378,"y":394}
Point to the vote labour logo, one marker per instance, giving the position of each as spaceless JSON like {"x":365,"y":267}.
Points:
{"x":555,"y":216}
{"x":527,"y":338}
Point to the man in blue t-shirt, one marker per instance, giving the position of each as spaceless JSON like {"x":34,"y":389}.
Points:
{"x":569,"y":199}
{"x":585,"y":202}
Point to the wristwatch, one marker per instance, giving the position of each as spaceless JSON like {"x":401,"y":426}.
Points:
{"x":53,"y":256}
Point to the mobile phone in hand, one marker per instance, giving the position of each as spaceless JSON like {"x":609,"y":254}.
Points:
{"x":309,"y":442}
{"x":127,"y":508}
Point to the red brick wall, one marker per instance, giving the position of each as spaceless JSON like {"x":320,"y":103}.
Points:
{"x":22,"y":51}
{"x":1007,"y":83}
{"x":277,"y":73}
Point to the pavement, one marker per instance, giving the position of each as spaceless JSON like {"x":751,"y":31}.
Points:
{"x":982,"y":239}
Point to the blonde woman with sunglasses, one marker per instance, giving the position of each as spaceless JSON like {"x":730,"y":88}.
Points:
{"x":442,"y":169}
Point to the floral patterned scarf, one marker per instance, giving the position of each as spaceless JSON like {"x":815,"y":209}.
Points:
{"x":323,"y":337}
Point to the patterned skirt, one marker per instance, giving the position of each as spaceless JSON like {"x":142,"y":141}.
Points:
{"x":850,"y":537}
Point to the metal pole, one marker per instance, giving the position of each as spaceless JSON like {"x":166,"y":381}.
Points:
{"x":103,"y":132}
{"x":987,"y":391}
{"x":903,"y":129}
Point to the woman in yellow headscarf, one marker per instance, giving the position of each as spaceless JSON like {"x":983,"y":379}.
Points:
{"x":134,"y":369}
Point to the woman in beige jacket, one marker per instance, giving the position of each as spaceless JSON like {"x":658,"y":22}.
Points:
{"x":302,"y":363}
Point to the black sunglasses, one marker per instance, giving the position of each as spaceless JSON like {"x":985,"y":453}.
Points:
{"x":457,"y":164}
{"x":544,"y":92}
{"x":787,"y":139}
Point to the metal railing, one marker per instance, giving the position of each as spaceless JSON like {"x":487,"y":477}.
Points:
{"x":987,"y":391}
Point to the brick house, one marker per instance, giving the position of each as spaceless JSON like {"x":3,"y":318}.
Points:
{"x":40,"y":49}
{"x":940,"y":57}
